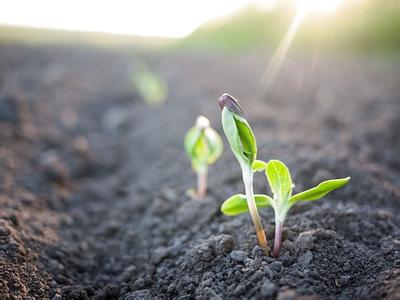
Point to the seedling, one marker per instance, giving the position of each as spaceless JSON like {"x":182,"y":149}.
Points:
{"x":151,"y":86}
{"x":204,"y":146}
{"x":243,"y":145}
{"x":281,"y":185}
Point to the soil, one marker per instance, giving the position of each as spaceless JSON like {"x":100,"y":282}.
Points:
{"x":93,"y":180}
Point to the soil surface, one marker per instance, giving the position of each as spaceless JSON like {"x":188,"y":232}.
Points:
{"x":93,"y":180}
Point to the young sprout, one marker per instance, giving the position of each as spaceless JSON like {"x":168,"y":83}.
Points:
{"x":281,"y":185}
{"x":243,"y":145}
{"x":204,"y":146}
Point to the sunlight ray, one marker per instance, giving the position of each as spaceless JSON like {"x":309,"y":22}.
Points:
{"x":278,"y":59}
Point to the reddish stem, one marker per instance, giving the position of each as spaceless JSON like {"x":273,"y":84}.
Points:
{"x":278,"y":239}
{"x":202,"y":183}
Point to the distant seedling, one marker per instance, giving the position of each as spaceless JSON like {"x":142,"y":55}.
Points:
{"x":151,"y":86}
{"x":204,"y":146}
{"x":243,"y":145}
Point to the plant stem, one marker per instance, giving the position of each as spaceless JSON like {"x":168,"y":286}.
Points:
{"x":248,"y":183}
{"x":202,"y":183}
{"x":278,"y":237}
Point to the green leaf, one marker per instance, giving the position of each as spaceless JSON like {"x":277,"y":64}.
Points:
{"x":247,"y":138}
{"x":203,"y":145}
{"x":279,"y":180}
{"x":240,"y":137}
{"x":190,"y":141}
{"x":151,"y":86}
{"x":259,"y":165}
{"x":215,"y":145}
{"x":230,"y":130}
{"x":320,"y":190}
{"x":237,"y":204}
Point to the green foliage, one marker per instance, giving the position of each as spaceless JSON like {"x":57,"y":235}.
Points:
{"x":202,"y":144}
{"x":319,"y":191}
{"x":259,"y":165}
{"x":150,"y":85}
{"x":237,"y":204}
{"x":243,"y":144}
{"x":240,"y":137}
{"x":280,"y":182}
{"x":358,"y":26}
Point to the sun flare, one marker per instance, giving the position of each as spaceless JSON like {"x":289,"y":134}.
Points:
{"x":318,"y":6}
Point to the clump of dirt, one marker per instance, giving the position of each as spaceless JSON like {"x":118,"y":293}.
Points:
{"x":93,"y":180}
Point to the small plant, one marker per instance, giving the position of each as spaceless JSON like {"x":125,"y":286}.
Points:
{"x":281,"y":185}
{"x":151,"y":86}
{"x":243,"y":145}
{"x":204,"y":146}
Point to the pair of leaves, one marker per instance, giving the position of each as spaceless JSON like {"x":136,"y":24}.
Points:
{"x":240,"y":137}
{"x":203,"y":145}
{"x":281,"y":185}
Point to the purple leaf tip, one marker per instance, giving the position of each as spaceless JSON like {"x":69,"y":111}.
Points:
{"x":231,"y":104}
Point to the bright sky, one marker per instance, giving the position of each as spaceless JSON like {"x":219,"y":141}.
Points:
{"x":166,"y":18}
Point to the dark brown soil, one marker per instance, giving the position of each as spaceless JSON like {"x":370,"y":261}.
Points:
{"x":93,"y":180}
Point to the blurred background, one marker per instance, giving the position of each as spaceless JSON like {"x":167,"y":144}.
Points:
{"x":99,"y":61}
{"x":336,"y":25}
{"x":274,"y":29}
